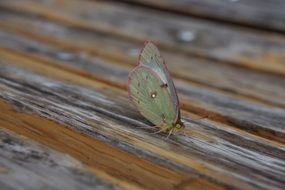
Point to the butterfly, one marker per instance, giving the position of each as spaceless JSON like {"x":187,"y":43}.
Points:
{"x":152,"y":91}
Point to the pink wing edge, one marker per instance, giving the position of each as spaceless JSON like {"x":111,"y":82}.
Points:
{"x":178,"y":117}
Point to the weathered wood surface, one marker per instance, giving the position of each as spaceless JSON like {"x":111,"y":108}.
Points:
{"x":214,"y":153}
{"x":267,"y":14}
{"x":203,"y":72}
{"x":63,"y":79}
{"x":36,"y":166}
{"x":236,"y":45}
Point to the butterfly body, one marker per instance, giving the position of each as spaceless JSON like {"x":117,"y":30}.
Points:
{"x":152,"y":91}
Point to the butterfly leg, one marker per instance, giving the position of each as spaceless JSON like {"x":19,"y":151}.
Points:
{"x":170,"y":132}
{"x":181,"y":132}
{"x":161,"y":130}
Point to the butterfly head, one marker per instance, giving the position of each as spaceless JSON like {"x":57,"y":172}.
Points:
{"x":179,"y":126}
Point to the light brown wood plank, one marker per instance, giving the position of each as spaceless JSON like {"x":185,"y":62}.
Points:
{"x":221,"y":77}
{"x":219,"y":156}
{"x":238,"y":112}
{"x":25,"y":164}
{"x":101,"y":155}
{"x":217,"y":42}
{"x":63,"y":83}
{"x":196,"y":97}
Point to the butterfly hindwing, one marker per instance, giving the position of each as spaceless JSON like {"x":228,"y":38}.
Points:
{"x":150,"y":57}
{"x":151,"y":98}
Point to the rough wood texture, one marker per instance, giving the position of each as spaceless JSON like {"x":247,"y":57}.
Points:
{"x":204,"y":152}
{"x":267,"y":14}
{"x":203,"y":72}
{"x":63,"y":79}
{"x":35,"y":166}
{"x":236,"y":45}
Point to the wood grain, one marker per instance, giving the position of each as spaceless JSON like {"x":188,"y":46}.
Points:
{"x":240,"y":113}
{"x":237,"y":81}
{"x":63,"y":83}
{"x":22,"y":160}
{"x":83,"y":109}
{"x":265,"y":15}
{"x":218,"y":42}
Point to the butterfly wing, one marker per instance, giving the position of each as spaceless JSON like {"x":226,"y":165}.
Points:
{"x":151,"y":99}
{"x":150,"y":57}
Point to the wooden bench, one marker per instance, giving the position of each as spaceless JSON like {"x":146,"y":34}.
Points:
{"x":66,"y":121}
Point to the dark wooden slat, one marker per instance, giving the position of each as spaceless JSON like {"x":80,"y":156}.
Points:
{"x":225,"y":158}
{"x":249,"y":48}
{"x":27,"y":165}
{"x":268,"y":15}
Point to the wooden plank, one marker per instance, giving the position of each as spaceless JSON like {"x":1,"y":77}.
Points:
{"x":25,"y":164}
{"x":217,"y":42}
{"x":95,"y":153}
{"x":63,"y":75}
{"x":211,"y":153}
{"x":222,"y":77}
{"x":99,"y":155}
{"x":268,"y":15}
{"x":241,"y":113}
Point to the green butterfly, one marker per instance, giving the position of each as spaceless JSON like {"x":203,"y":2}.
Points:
{"x":152,"y":91}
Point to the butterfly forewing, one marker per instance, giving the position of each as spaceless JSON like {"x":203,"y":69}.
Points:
{"x":150,"y":57}
{"x":150,"y":97}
